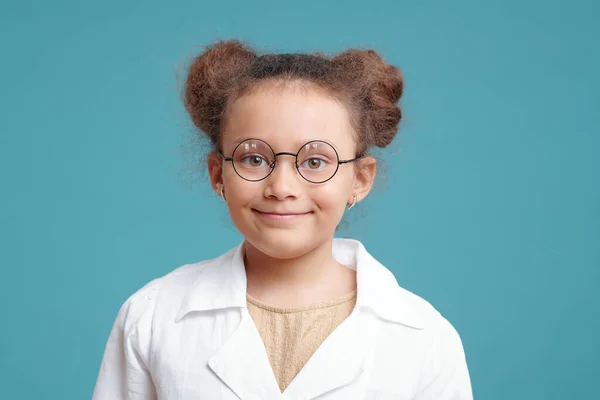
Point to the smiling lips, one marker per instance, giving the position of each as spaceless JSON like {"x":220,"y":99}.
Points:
{"x":280,"y":216}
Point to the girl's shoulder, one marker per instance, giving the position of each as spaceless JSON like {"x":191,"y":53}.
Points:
{"x":161,"y":297}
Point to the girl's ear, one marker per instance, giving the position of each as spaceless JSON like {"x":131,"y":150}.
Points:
{"x":215,"y":171}
{"x":366,"y":169}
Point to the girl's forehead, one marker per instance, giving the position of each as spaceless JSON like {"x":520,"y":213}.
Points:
{"x":287,"y":119}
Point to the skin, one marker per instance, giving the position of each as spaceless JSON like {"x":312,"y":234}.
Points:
{"x":288,"y":259}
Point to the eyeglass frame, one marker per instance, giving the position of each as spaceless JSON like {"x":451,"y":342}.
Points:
{"x":274,"y":163}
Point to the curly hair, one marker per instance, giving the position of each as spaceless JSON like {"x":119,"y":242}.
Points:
{"x":360,"y":79}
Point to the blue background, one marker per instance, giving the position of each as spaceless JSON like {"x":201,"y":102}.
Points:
{"x":489,"y":208}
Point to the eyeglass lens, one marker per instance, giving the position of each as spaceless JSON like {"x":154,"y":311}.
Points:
{"x":254,"y":159}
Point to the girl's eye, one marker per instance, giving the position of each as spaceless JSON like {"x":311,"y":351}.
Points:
{"x":314,"y":163}
{"x":254,"y":161}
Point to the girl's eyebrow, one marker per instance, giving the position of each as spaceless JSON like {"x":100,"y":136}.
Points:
{"x":241,"y":139}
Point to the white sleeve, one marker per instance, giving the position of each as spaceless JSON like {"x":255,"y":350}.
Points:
{"x":446,"y":376}
{"x":124,"y":373}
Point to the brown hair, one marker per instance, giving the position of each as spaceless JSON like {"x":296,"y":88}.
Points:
{"x":366,"y":84}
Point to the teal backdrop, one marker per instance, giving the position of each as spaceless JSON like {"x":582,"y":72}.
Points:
{"x":489,"y":205}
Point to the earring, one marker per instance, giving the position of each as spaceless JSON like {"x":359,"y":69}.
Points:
{"x":221,"y":190}
{"x":353,"y":202}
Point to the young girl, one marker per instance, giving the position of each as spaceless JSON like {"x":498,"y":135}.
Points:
{"x":291,"y":312}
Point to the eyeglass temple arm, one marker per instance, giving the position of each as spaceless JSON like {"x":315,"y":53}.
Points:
{"x":347,"y":161}
{"x":223,"y":156}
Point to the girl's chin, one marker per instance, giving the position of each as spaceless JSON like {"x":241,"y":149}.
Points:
{"x":284,"y":245}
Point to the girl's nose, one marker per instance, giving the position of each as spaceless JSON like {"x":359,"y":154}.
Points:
{"x":283,"y":182}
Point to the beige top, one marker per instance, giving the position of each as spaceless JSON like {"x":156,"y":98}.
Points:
{"x":292,"y":335}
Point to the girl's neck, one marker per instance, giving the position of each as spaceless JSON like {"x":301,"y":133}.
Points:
{"x":311,"y":278}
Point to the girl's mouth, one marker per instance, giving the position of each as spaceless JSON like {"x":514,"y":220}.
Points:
{"x":280,"y":216}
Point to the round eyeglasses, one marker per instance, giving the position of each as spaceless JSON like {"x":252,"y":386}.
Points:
{"x":316,"y":161}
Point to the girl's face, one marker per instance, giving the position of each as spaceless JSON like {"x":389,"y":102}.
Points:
{"x":284,"y":215}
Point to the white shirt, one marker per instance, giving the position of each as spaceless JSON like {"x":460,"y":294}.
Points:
{"x":188,"y":335}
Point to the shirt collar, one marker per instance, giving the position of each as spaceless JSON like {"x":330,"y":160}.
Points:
{"x":221,"y":283}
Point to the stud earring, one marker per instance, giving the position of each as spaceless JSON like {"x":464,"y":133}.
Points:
{"x":353,"y":202}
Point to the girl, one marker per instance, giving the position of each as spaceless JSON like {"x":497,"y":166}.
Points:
{"x":291,"y":312}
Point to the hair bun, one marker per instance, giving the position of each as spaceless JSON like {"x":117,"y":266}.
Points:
{"x":211,"y":77}
{"x":380,"y":86}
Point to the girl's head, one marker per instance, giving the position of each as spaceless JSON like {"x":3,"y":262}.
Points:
{"x":283,"y":127}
